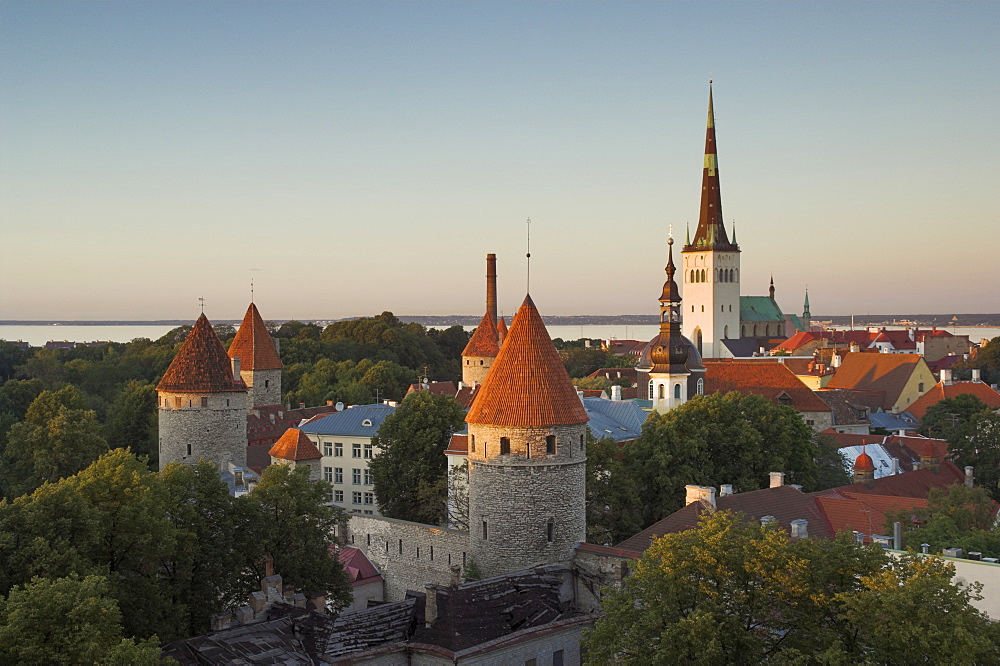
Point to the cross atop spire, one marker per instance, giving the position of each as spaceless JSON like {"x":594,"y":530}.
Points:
{"x":711,"y":232}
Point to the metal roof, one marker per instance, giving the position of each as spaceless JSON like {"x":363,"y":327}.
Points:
{"x":759,"y":308}
{"x":893,"y":422}
{"x":621,"y":420}
{"x":355,"y":421}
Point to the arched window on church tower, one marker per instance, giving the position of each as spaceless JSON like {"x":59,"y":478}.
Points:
{"x":701,"y":387}
{"x":663,"y":391}
{"x":677,"y":391}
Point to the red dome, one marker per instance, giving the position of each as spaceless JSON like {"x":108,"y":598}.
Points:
{"x":864,"y":463}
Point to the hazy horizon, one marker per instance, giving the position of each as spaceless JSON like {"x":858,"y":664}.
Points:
{"x":359,"y":157}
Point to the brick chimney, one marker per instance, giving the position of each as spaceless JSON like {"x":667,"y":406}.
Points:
{"x":491,"y":286}
{"x":704,"y":494}
{"x":777,"y":479}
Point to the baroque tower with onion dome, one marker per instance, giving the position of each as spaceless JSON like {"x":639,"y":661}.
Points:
{"x":527,"y":455}
{"x":202,"y":403}
{"x":711,"y":265}
{"x":260,"y":365}
{"x":483,"y":346}
{"x":670,"y":367}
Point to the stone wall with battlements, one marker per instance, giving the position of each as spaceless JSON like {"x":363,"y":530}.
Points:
{"x":528,"y":507}
{"x":409,"y":555}
{"x":264,"y":386}
{"x":212,"y":426}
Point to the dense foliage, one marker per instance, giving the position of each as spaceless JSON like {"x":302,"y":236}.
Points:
{"x":956,"y":517}
{"x":171,"y":548}
{"x":987,"y":360}
{"x":711,"y":440}
{"x":409,"y":471}
{"x":973,"y":433}
{"x":734,"y":592}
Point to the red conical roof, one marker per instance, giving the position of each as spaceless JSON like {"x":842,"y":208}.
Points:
{"x":864,"y":463}
{"x":201,"y":364}
{"x":294,"y":445}
{"x":501,"y":330}
{"x":527,"y":385}
{"x":253,"y":344}
{"x":484,"y":339}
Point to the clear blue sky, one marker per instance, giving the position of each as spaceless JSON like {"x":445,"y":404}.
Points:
{"x":354,"y":158}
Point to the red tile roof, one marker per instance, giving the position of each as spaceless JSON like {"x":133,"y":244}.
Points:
{"x":940,"y":391}
{"x":864,"y":463}
{"x":466,"y":395}
{"x":201,"y":364}
{"x":910,"y":484}
{"x":253,"y":344}
{"x":527,"y":385}
{"x":848,"y":512}
{"x":434,"y":388}
{"x":358,"y":567}
{"x":881,"y":372}
{"x":484,"y":341}
{"x":459,"y":445}
{"x":768,"y":380}
{"x":294,"y":445}
{"x":501,"y":329}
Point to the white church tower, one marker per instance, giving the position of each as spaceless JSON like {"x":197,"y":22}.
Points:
{"x":711,"y":265}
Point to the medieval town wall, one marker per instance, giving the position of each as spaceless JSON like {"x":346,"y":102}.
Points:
{"x":213,"y":424}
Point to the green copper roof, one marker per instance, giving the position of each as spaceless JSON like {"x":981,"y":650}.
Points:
{"x":759,"y":308}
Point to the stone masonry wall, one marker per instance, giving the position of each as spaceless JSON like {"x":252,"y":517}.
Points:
{"x":264,"y":386}
{"x":217,"y":433}
{"x":409,"y":555}
{"x":475,"y":369}
{"x":514,"y":498}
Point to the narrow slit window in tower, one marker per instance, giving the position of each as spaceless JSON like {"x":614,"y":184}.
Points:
{"x":204,"y":402}
{"x":486,"y":530}
{"x":189,"y":448}
{"x":550,"y":529}
{"x":505,"y":446}
{"x":472,"y":443}
{"x":550,"y":445}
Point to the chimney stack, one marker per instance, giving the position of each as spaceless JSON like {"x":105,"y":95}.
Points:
{"x":616,"y":392}
{"x":236,"y":369}
{"x":969,"y":478}
{"x":946,"y":376}
{"x":767,"y":521}
{"x":800,"y":528}
{"x":977,"y":375}
{"x":704,"y":494}
{"x":725,"y":490}
{"x":777,"y":479}
{"x":491,"y":286}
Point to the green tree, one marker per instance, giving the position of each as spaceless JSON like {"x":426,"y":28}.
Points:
{"x":978,"y":444}
{"x":988,"y":360}
{"x":613,"y":507}
{"x":291,"y":522}
{"x":947,"y":418}
{"x":56,"y":439}
{"x":11,"y":356}
{"x":715,"y":439}
{"x":132,"y":419}
{"x":68,"y":621}
{"x":955,"y":517}
{"x":409,"y":461}
{"x":734,"y":591}
{"x":18,"y":394}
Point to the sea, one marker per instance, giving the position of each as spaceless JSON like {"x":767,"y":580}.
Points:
{"x":38,"y":335}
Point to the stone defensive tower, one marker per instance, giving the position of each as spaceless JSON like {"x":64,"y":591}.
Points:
{"x":484,"y":345}
{"x":711,"y":270}
{"x":527,"y":455}
{"x":202,"y":403}
{"x":260,"y":365}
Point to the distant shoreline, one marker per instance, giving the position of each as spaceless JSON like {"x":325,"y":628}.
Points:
{"x":860,"y":321}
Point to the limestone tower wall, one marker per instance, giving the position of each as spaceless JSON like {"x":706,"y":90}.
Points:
{"x":209,"y":426}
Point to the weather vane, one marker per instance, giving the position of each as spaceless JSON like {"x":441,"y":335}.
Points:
{"x":670,"y":231}
{"x":201,"y":300}
{"x":251,"y":290}
{"x":528,"y":255}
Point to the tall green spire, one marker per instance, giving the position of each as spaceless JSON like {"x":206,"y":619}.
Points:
{"x":805,"y":306}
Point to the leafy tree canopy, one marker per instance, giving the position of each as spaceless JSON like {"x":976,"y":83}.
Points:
{"x":955,"y":517}
{"x":946,"y":418}
{"x":733,"y":591}
{"x":409,"y":470}
{"x":988,"y":360}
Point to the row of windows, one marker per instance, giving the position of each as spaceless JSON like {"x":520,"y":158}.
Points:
{"x":179,"y":402}
{"x":764,"y":329}
{"x":700,"y":390}
{"x":721,"y":275}
{"x":367,"y":498}
{"x":550,"y":446}
{"x":336,"y":475}
{"x":336,"y":450}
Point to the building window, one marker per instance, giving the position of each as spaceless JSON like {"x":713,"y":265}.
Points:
{"x":177,"y":402}
{"x":400,"y":546}
{"x":338,"y":450}
{"x":356,"y":476}
{"x":338,"y":474}
{"x":920,"y":387}
{"x":204,"y":401}
{"x":369,"y":498}
{"x":338,"y":496}
{"x":505,"y":446}
{"x":328,"y":474}
{"x":368,"y":451}
{"x":557,"y":658}
{"x":651,"y":384}
{"x":486,"y":530}
{"x":356,"y":498}
{"x":472,"y":443}
{"x":189,"y":448}
{"x":810,"y":422}
{"x":369,"y":513}
{"x":677,"y":391}
{"x":550,"y":529}
{"x":550,"y":445}
{"x":267,"y":383}
{"x":701,"y":387}
{"x":368,"y":477}
{"x":327,"y":449}
{"x":581,"y":443}
{"x":663,"y":391}
{"x":356,"y":450}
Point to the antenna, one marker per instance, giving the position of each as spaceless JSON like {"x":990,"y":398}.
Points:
{"x":528,"y":256}
{"x":201,"y":300}
{"x":251,"y":290}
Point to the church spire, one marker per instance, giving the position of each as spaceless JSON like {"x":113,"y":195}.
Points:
{"x":711,"y":232}
{"x":805,"y":306}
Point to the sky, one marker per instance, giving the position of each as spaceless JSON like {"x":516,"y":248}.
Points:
{"x":351,"y":158}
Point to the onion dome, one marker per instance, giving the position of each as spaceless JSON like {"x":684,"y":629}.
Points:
{"x":253,"y":344}
{"x":864,"y":463}
{"x":527,"y":385}
{"x":294,"y":445}
{"x":201,"y":364}
{"x":484,"y":341}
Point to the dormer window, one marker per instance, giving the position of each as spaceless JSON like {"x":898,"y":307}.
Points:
{"x":367,"y":423}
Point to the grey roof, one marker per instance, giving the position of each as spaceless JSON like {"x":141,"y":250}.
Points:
{"x":742,"y":347}
{"x":351,"y":422}
{"x":893,"y":422}
{"x":620,"y":420}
